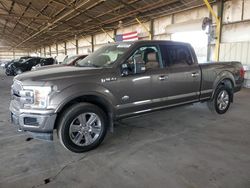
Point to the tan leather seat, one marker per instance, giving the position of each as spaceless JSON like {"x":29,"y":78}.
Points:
{"x":152,"y":61}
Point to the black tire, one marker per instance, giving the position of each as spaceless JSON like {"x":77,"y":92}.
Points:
{"x":68,"y":116}
{"x":7,"y":72}
{"x":213,"y":105}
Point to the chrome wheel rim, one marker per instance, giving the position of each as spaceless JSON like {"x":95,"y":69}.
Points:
{"x":85,"y":129}
{"x":223,"y":100}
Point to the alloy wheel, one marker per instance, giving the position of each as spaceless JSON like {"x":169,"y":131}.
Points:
{"x":223,"y":100}
{"x":85,"y":129}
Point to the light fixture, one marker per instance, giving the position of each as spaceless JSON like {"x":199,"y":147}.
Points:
{"x":120,"y":24}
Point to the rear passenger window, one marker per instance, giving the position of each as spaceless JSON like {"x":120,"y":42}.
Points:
{"x":176,"y":56}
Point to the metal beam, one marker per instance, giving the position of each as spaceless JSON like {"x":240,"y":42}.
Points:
{"x":40,"y":12}
{"x":56,"y":21}
{"x":145,"y":27}
{"x":16,"y":16}
{"x":108,"y":34}
{"x":7,"y":20}
{"x":131,"y":13}
{"x":32,"y":8}
{"x":25,"y":10}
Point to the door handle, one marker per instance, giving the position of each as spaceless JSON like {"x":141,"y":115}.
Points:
{"x":195,"y":74}
{"x":162,"y":78}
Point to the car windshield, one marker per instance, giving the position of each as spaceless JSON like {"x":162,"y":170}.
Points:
{"x":24,"y":60}
{"x":104,"y":56}
{"x":69,"y":60}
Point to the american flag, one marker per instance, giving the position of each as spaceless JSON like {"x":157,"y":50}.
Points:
{"x":132,"y":36}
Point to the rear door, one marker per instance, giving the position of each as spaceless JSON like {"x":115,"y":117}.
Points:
{"x":183,"y":75}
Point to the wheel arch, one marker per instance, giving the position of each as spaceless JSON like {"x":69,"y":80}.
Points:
{"x":88,"y":98}
{"x":227,"y":79}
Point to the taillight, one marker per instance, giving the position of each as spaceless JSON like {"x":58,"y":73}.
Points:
{"x":242,"y":72}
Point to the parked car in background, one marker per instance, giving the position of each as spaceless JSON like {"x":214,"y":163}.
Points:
{"x":7,"y":65}
{"x":18,"y":67}
{"x":71,"y":61}
{"x":25,"y":58}
{"x":20,"y":60}
{"x":3,"y":63}
{"x":44,"y":63}
{"x":60,"y":58}
{"x":68,"y":62}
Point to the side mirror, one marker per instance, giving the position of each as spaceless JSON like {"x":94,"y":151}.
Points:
{"x":125,"y":69}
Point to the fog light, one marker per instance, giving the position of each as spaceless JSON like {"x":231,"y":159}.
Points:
{"x":30,"y":121}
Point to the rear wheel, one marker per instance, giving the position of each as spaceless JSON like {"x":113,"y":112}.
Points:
{"x":222,"y":99}
{"x":82,"y":127}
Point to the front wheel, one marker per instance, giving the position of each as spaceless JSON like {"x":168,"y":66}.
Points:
{"x":82,"y":127}
{"x":222,"y":99}
{"x":8,"y":72}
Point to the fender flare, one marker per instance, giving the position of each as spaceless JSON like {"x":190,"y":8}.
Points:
{"x":221,"y":78}
{"x":99,"y":98}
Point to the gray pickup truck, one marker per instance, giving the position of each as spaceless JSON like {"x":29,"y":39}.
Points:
{"x":117,"y":81}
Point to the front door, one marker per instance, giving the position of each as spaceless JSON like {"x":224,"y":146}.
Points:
{"x":135,"y":92}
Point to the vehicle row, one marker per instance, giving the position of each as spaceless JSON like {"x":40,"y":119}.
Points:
{"x":27,"y":63}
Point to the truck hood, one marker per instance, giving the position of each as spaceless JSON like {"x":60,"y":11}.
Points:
{"x":39,"y":77}
{"x":48,"y":67}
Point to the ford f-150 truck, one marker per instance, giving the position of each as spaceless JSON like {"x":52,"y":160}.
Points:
{"x":117,"y":81}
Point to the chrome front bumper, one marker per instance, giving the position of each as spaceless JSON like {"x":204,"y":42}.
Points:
{"x":40,"y":123}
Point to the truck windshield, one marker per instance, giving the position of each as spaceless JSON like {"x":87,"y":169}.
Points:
{"x":104,"y":56}
{"x":68,"y":60}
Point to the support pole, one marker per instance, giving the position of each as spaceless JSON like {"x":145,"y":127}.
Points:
{"x":144,"y":26}
{"x":152,"y":29}
{"x":92,"y":43}
{"x":65,"y":48}
{"x":108,"y":34}
{"x":218,"y":29}
{"x":56,"y":49}
{"x":50,"y":51}
{"x":77,"y":49}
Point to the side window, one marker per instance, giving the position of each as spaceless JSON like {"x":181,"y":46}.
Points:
{"x":44,"y":62}
{"x":48,"y":61}
{"x":36,"y":61}
{"x":176,"y":55}
{"x":148,"y":55}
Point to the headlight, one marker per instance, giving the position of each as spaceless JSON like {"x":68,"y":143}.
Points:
{"x":35,"y":96}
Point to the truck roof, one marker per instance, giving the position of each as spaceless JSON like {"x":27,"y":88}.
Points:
{"x":141,"y":42}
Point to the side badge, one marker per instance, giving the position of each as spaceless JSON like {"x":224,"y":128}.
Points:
{"x":108,"y":79}
{"x":125,"y":98}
